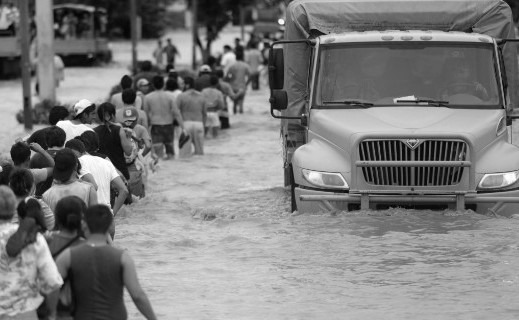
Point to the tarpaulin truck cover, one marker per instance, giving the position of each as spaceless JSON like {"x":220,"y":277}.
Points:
{"x":310,"y":18}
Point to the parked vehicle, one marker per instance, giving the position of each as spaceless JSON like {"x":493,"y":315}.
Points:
{"x":404,"y":103}
{"x":80,"y":37}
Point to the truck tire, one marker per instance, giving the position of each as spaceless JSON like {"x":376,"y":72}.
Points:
{"x":293,"y":203}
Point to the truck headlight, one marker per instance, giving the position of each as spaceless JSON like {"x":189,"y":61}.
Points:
{"x":325,"y":179}
{"x":498,"y":180}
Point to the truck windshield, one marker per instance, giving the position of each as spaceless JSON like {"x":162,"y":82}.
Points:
{"x":403,"y":74}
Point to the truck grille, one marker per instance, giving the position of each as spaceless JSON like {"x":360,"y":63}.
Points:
{"x":402,"y":150}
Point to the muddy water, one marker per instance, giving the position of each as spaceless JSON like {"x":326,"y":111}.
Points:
{"x":255,"y":260}
{"x":214,"y":238}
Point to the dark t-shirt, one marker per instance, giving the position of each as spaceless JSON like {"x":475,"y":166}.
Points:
{"x":97,"y":282}
{"x":110,"y":144}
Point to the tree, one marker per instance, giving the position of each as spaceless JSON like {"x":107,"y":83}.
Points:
{"x":215,"y":15}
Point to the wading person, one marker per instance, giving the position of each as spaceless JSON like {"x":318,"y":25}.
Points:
{"x":84,"y":112}
{"x":100,"y":273}
{"x":193,"y":108}
{"x":29,"y":276}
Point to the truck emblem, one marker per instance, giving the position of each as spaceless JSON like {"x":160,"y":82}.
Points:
{"x":412,"y":143}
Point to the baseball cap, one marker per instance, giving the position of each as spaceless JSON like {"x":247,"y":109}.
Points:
{"x":205,"y":68}
{"x":81,"y":105}
{"x":142,"y":82}
{"x":65,"y":163}
{"x":130,"y":113}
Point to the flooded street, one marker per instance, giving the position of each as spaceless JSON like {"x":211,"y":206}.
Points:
{"x":214,"y":238}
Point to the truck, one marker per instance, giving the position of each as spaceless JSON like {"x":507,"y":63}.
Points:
{"x":398,"y":103}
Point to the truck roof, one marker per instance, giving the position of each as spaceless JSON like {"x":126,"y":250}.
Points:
{"x":331,"y":16}
{"x":319,"y":18}
{"x":407,"y":35}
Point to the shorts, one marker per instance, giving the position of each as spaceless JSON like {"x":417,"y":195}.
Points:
{"x":212,"y":120}
{"x":162,"y":133}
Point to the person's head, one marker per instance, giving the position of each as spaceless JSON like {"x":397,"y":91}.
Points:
{"x":90,"y":140}
{"x":129,"y":96}
{"x":204,"y":69}
{"x":159,"y":43}
{"x":227,"y":48}
{"x":77,"y":146}
{"x":84,"y":111}
{"x":239,"y":55}
{"x":55,"y":137}
{"x":58,"y":113}
{"x":39,"y":137}
{"x":5,"y":173}
{"x":20,"y":153}
{"x":7,"y":203}
{"x":65,"y":165}
{"x":22,"y":183}
{"x":106,"y":112}
{"x":189,"y":83}
{"x":130,"y":116}
{"x":460,"y":72}
{"x":146,"y":66}
{"x":69,"y":213}
{"x":169,"y":40}
{"x":158,"y":82}
{"x":31,"y":208}
{"x":98,"y":219}
{"x":214,"y":80}
{"x":143,"y":85}
{"x":172,"y":84}
{"x":126,"y":82}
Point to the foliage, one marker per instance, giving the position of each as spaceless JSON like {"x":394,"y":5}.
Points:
{"x":214,"y":15}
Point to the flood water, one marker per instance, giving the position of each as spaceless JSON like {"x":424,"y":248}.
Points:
{"x":214,"y":238}
{"x":256,"y":260}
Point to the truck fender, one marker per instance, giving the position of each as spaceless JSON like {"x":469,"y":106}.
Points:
{"x":320,"y":155}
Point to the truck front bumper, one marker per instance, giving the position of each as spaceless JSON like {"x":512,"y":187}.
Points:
{"x":505,"y":203}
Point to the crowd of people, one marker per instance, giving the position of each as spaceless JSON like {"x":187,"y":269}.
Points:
{"x":64,"y":184}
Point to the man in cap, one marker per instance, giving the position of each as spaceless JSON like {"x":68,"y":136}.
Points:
{"x":204,"y":78}
{"x":136,"y":162}
{"x":84,"y":111}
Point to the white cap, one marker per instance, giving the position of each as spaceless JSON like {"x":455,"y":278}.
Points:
{"x":81,"y":105}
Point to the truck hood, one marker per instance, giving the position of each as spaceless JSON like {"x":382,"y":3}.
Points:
{"x":342,"y":127}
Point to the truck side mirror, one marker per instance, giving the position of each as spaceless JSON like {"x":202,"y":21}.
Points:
{"x":276,"y":69}
{"x":278,"y":100}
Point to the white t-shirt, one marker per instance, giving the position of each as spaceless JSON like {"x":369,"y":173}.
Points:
{"x":103,"y":171}
{"x":72,"y":130}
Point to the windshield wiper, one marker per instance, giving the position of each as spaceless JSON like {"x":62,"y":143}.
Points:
{"x":438,"y":103}
{"x":358,"y":103}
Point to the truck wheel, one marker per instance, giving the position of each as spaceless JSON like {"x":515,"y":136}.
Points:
{"x":293,"y":202}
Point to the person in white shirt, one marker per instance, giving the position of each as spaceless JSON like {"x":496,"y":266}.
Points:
{"x":228,"y":58}
{"x":84,"y":111}
{"x":104,"y":174}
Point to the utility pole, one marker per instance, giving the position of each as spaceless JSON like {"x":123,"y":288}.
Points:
{"x":45,"y":43}
{"x":242,"y":22}
{"x":194,"y":25}
{"x":25,"y":62}
{"x":133,"y":19}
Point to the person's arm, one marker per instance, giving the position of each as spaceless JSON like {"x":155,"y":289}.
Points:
{"x":177,"y":115}
{"x":88,"y":177}
{"x":92,"y":197}
{"x":122,"y":193}
{"x":131,"y":282}
{"x":37,"y":148}
{"x":147,"y":143}
{"x":204,"y":112}
{"x":125,"y":136}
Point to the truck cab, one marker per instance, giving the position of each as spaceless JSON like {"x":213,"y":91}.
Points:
{"x":409,"y":118}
